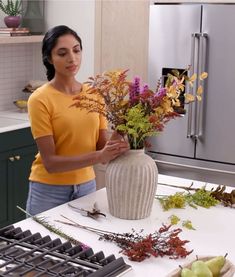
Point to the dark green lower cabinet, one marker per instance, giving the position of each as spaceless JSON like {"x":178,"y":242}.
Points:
{"x":15,"y":165}
{"x":3,"y":189}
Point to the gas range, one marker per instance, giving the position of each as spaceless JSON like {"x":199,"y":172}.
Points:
{"x":25,"y":254}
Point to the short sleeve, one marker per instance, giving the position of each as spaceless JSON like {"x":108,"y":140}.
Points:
{"x":39,"y":117}
{"x":103,"y":122}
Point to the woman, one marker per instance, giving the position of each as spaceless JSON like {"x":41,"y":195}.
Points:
{"x":69,"y":139}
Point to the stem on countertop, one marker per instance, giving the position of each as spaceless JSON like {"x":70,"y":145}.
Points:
{"x":218,"y":192}
{"x":53,"y":229}
{"x":138,"y":246}
{"x":181,"y":187}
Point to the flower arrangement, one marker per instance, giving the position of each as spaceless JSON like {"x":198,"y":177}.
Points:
{"x":134,"y":109}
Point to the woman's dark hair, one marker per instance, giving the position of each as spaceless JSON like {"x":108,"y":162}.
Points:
{"x":49,"y":42}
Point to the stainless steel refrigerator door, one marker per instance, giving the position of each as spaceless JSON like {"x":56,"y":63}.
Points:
{"x":170,"y":39}
{"x":217,"y":141}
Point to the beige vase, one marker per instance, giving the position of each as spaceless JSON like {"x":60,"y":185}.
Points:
{"x":131,"y":182}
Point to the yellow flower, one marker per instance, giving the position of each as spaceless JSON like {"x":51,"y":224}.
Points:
{"x":203,"y":76}
{"x":193,"y":77}
{"x":189,"y":97}
{"x":199,"y":90}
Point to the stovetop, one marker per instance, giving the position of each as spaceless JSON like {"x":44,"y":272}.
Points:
{"x":25,"y":254}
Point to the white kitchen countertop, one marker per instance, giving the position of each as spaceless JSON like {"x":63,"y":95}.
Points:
{"x":214,"y":234}
{"x":13,"y":120}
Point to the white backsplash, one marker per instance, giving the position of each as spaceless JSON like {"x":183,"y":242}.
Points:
{"x":20,"y":63}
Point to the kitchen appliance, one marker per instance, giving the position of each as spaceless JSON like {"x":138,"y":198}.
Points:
{"x":201,"y":144}
{"x":25,"y":254}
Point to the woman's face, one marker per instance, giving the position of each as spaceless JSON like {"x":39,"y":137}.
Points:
{"x":66,"y":56}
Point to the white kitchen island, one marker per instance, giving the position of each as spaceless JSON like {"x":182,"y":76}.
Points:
{"x":214,"y":234}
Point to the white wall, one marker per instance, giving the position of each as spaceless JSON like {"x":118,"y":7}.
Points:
{"x":21,"y":63}
{"x":80,"y":16}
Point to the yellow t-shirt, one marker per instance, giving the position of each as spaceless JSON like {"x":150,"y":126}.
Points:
{"x":75,"y":132}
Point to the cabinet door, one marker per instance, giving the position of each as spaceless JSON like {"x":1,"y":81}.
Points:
{"x":4,"y":212}
{"x":19,"y":171}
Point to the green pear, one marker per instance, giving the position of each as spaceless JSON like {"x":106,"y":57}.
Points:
{"x":185,"y":272}
{"x":200,"y":269}
{"x":215,"y":265}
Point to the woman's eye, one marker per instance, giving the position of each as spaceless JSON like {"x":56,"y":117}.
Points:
{"x":77,"y":51}
{"x":61,"y":54}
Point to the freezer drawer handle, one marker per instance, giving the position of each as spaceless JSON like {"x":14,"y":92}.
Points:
{"x":195,"y":167}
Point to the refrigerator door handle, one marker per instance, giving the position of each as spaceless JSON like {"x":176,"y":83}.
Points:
{"x":193,"y":167}
{"x":194,"y":57}
{"x":203,"y":39}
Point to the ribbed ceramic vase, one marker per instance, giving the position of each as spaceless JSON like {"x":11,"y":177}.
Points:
{"x":131,"y":182}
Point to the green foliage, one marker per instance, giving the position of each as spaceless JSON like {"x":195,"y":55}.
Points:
{"x":176,"y":200}
{"x":11,"y":7}
{"x":201,"y":197}
{"x":137,"y":126}
{"x":174,"y":219}
{"x":188,"y":224}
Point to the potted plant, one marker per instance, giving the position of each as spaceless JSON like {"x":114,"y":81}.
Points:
{"x":13,"y":10}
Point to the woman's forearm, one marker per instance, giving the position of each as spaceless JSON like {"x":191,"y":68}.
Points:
{"x":56,"y":163}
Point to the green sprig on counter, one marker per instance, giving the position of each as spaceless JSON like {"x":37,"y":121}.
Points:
{"x":201,"y":197}
{"x":174,"y":219}
{"x":188,"y":224}
{"x":43,"y":221}
{"x":176,"y":200}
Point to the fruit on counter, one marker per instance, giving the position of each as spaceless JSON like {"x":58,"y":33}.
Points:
{"x":205,"y":268}
{"x":215,"y":265}
{"x":200,"y":269}
{"x":186,"y":272}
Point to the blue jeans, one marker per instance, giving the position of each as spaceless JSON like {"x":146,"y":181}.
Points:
{"x":43,"y":197}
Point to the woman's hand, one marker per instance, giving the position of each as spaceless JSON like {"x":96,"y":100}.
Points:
{"x":117,"y":136}
{"x":113,"y":149}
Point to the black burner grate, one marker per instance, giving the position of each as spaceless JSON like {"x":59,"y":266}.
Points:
{"x":25,"y":254}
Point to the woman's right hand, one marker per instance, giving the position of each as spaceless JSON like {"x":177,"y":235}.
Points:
{"x":113,"y":149}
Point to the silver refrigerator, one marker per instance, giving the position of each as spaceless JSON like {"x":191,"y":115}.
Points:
{"x":201,"y":143}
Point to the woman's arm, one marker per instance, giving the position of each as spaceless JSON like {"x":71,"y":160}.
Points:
{"x":103,"y":138}
{"x":56,"y":163}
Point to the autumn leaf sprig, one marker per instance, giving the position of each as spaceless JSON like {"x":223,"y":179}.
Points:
{"x":137,"y":246}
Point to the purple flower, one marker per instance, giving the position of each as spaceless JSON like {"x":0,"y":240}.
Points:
{"x":134,"y":90}
{"x":161,"y":92}
{"x":136,"y":84}
{"x":145,"y":88}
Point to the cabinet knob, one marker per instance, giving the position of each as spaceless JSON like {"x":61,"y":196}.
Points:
{"x":11,"y":159}
{"x":17,"y":157}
